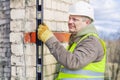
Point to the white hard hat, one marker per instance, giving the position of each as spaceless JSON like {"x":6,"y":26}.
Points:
{"x":82,"y":8}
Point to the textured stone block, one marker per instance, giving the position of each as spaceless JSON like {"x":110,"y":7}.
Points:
{"x":31,"y":72}
{"x":17,"y":14}
{"x":30,"y":49}
{"x":16,"y":37}
{"x":48,"y":70}
{"x":48,"y":3}
{"x":17,"y":49}
{"x":31,"y":2}
{"x":30,"y":13}
{"x":49,"y":59}
{"x":17,"y":26}
{"x":17,"y":61}
{"x":30,"y":26}
{"x":17,"y":3}
{"x":30,"y":60}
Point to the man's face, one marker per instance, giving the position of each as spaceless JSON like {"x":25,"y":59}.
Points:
{"x":75,"y":23}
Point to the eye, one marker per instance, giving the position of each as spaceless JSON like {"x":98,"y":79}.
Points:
{"x":75,"y":19}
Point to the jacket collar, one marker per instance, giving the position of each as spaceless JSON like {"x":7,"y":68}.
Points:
{"x":89,"y":29}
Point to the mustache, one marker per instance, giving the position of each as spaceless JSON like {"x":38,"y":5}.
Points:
{"x":70,"y":24}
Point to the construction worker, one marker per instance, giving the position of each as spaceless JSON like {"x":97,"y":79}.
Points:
{"x":84,"y":59}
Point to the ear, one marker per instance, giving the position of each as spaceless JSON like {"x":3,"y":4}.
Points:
{"x":87,"y":21}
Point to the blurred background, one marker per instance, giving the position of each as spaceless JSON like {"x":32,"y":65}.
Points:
{"x":107,"y":15}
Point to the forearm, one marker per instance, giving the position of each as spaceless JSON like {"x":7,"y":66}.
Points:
{"x":57,"y":50}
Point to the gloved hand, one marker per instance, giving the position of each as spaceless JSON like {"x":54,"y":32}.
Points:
{"x":44,"y":33}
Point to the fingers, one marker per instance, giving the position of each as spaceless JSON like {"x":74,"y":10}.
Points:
{"x":43,"y":26}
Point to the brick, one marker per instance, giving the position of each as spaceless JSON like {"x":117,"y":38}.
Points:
{"x":31,"y":72}
{"x":30,"y":49}
{"x":16,"y":37}
{"x":20,"y":71}
{"x":47,"y":70}
{"x":31,"y":2}
{"x":30,"y":26}
{"x":13,"y":78}
{"x":60,"y":16}
{"x":58,"y":7}
{"x":17,"y":14}
{"x":61,"y":27}
{"x":62,"y":37}
{"x":17,"y":49}
{"x":74,"y":1}
{"x":65,"y":7}
{"x":30,"y":37}
{"x":49,"y":59}
{"x":4,"y":21}
{"x":48,"y":3}
{"x":33,"y":37}
{"x":54,"y":4}
{"x":6,"y":69}
{"x":30,"y":78}
{"x":27,"y":37}
{"x":16,"y":26}
{"x":65,"y":16}
{"x":30,"y":60}
{"x":20,"y":78}
{"x":57,"y":16}
{"x":49,"y":15}
{"x":17,"y":3}
{"x":67,"y":1}
{"x":53,"y":68}
{"x":30,"y":13}
{"x":13,"y":71}
{"x":17,"y":61}
{"x":53,"y":26}
{"x":51,"y":77}
{"x":4,"y":78}
{"x":46,"y":50}
{"x":6,"y":75}
{"x":5,"y":5}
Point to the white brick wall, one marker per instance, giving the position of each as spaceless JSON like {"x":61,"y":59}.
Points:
{"x":23,"y":58}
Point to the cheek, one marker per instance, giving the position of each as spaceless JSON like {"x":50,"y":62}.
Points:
{"x":78,"y":26}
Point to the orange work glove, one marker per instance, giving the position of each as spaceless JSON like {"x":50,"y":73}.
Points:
{"x":44,"y":33}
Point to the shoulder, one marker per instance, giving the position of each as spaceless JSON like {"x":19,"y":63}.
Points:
{"x":93,"y":45}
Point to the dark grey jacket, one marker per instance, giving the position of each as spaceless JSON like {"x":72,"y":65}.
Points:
{"x":87,"y":51}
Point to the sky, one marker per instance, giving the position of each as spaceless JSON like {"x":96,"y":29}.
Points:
{"x":107,"y":17}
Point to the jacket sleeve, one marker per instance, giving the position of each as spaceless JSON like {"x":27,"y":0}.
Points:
{"x":87,"y":51}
